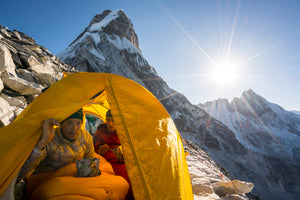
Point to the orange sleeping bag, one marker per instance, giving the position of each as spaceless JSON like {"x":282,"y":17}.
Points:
{"x":61,"y":184}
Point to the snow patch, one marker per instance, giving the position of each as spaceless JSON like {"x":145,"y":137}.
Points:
{"x":123,"y":43}
{"x":98,"y":26}
{"x":97,"y":53}
{"x":70,"y":50}
{"x":95,"y":37}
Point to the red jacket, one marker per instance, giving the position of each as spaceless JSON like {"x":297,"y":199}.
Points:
{"x":104,"y":136}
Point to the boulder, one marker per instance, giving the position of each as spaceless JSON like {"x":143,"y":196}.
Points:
{"x":16,"y":59}
{"x":45,"y":79}
{"x":5,"y":33}
{"x":17,"y":35}
{"x":6,"y":62}
{"x":29,"y":60}
{"x":232,"y":187}
{"x":27,"y":38}
{"x":25,"y":74}
{"x":6,"y":112}
{"x":203,"y":189}
{"x":19,"y":101}
{"x":21,"y":86}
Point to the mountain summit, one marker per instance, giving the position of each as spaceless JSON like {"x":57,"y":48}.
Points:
{"x":107,"y":33}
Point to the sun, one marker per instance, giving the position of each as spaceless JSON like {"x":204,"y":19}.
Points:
{"x":224,"y":73}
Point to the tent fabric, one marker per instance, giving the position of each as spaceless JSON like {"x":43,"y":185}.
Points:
{"x":153,"y":150}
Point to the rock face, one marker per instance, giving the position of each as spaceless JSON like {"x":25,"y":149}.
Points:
{"x":26,"y":68}
{"x":269,"y":131}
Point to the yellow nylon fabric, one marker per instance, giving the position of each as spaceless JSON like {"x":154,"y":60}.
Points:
{"x":152,"y":148}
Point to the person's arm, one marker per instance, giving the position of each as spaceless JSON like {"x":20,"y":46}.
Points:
{"x":100,"y":147}
{"x":32,"y":162}
{"x":39,"y":152}
{"x":90,"y":152}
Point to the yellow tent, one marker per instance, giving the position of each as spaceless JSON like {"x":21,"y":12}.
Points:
{"x":152,"y":147}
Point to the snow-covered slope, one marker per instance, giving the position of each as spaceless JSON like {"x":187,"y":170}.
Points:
{"x":109,"y":44}
{"x":259,"y":125}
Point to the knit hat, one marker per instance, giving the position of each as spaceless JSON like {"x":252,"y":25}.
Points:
{"x":108,"y":114}
{"x":77,"y":115}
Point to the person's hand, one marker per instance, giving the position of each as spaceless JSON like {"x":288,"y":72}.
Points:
{"x":102,"y":149}
{"x":119,"y":154}
{"x":48,"y":132}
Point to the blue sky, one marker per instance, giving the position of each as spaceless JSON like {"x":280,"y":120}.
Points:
{"x":185,"y":40}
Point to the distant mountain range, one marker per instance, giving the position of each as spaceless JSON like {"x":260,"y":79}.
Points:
{"x":259,"y":125}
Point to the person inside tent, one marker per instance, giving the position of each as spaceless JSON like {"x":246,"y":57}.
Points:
{"x":54,"y":162}
{"x":107,"y":144}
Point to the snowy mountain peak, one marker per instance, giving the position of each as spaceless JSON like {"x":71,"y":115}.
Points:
{"x":114,"y":23}
{"x":251,"y":97}
{"x":108,"y":34}
{"x":108,"y":14}
{"x":100,"y":21}
{"x":249,"y":92}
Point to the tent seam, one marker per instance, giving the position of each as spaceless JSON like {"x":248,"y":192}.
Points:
{"x":130,"y":143}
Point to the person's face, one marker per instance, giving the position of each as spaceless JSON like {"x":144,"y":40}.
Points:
{"x":71,"y":128}
{"x":110,"y":124}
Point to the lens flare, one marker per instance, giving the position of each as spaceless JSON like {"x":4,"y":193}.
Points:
{"x":224,"y":73}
